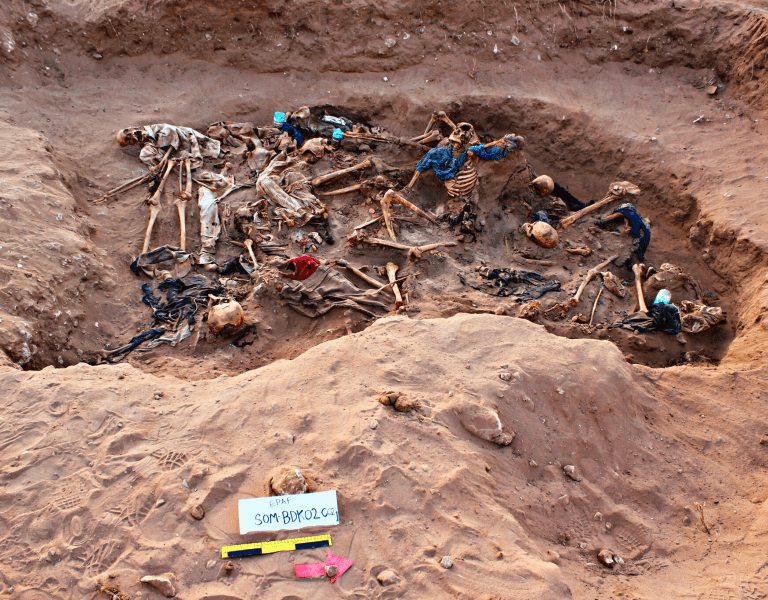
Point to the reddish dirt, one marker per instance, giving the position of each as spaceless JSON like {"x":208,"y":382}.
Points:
{"x":601,"y":93}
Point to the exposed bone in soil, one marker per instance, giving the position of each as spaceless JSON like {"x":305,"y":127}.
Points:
{"x":105,"y":467}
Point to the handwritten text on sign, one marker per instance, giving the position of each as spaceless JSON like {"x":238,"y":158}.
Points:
{"x":288,"y":512}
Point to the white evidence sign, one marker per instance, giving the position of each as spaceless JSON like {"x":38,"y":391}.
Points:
{"x":288,"y":512}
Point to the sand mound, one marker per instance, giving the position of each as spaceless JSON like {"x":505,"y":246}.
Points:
{"x":48,"y":266}
{"x":104,"y":469}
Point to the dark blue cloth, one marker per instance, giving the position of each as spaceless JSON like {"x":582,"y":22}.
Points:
{"x":294,"y":133}
{"x":640,"y":228}
{"x":445,"y":166}
{"x":442,"y":162}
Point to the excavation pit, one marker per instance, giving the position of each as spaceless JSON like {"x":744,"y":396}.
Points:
{"x":444,"y":280}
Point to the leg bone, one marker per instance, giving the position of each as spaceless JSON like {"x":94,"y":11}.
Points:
{"x":154,"y":206}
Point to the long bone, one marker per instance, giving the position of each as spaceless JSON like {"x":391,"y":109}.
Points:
{"x":317,"y":181}
{"x":393,"y":196}
{"x":437,"y":116}
{"x":414,"y":252}
{"x":249,"y":244}
{"x":154,"y":206}
{"x":616,"y":190}
{"x":591,"y":274}
{"x":181,"y":202}
{"x":386,"y":211}
{"x":391,"y":271}
{"x":136,"y":181}
{"x":637,"y":269}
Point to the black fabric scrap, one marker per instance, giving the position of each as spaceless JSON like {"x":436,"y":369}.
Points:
{"x":525,"y":293}
{"x":570,"y":200}
{"x":158,"y":255}
{"x":136,"y":341}
{"x":660,"y":317}
{"x":183,"y":298}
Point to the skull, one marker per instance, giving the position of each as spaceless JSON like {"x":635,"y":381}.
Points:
{"x":130,"y":136}
{"x":543,"y":185}
{"x":542,"y":233}
{"x":228,"y":316}
{"x":463,"y":134}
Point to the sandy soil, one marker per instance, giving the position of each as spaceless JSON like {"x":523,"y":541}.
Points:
{"x":653,"y":424}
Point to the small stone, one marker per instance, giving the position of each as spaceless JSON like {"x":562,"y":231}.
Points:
{"x":606,"y":558}
{"x":756,"y":501}
{"x":229,"y":567}
{"x":162,"y":583}
{"x":446,"y":562}
{"x":412,"y":466}
{"x":505,"y":376}
{"x":389,"y":43}
{"x":533,"y":463}
{"x":608,"y":525}
{"x":515,"y":41}
{"x":570,"y":471}
{"x":197,"y":512}
{"x":331,"y":570}
{"x":598,"y":516}
{"x":387,"y":577}
{"x":98,"y":56}
{"x":160,"y":502}
{"x":374,"y":424}
{"x":210,"y":564}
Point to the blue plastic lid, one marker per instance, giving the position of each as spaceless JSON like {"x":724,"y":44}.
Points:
{"x":663,"y":297}
{"x":279,"y":118}
{"x":338,"y":134}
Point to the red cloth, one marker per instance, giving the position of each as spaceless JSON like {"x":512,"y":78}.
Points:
{"x":304,"y":266}
{"x":318,"y":569}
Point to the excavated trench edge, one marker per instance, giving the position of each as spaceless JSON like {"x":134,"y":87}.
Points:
{"x":688,"y":209}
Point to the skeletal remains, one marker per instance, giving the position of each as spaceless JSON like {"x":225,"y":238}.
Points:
{"x":281,"y":160}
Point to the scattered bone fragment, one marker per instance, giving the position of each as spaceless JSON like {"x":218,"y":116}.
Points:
{"x":398,"y":401}
{"x":484,"y":422}
{"x":571,"y":473}
{"x":162,"y":583}
{"x":613,"y":284}
{"x":605,"y":557}
{"x":331,"y":570}
{"x":387,"y":577}
{"x":446,"y":562}
{"x":197,"y":512}
{"x":286,"y":481}
{"x":529,"y":310}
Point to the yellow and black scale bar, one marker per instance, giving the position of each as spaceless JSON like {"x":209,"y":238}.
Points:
{"x":317,"y":541}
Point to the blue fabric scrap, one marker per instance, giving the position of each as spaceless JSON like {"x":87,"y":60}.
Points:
{"x":445,"y":166}
{"x":294,"y":133}
{"x":640,"y":228}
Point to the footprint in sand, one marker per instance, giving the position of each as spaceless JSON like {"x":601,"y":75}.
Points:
{"x":170,"y":461}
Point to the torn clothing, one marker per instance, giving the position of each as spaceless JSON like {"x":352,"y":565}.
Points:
{"x":183,"y":298}
{"x":325,"y":290}
{"x":699,"y":317}
{"x":186,"y":142}
{"x":442,"y":162}
{"x":284,"y":183}
{"x":210,"y":224}
{"x":121,"y":353}
{"x":640,"y":228}
{"x":570,"y":200}
{"x":294,"y":133}
{"x":445,"y":166}
{"x":164,"y":254}
{"x":660,"y":317}
{"x":302,"y":267}
{"x":536,"y":284}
